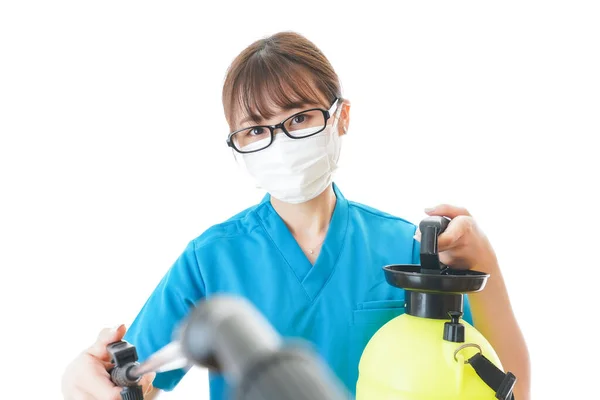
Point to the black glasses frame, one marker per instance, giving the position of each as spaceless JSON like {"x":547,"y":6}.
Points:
{"x":326,"y":114}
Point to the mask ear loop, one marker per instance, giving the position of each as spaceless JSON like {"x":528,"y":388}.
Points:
{"x":334,"y":129}
{"x":337,"y":113}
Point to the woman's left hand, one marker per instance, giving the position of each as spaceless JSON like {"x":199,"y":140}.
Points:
{"x":463,"y":245}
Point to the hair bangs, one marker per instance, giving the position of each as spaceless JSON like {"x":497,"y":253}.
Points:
{"x":274,"y":74}
{"x":267,"y":86}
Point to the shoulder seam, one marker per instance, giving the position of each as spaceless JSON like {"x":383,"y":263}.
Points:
{"x":199,"y":242}
{"x":199,"y":269}
{"x":389,"y":216}
{"x":206,"y":242}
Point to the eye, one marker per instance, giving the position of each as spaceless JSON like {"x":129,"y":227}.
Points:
{"x":259,"y":130}
{"x":298,"y":119}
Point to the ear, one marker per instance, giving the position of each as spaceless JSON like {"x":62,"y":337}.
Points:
{"x":344,"y":118}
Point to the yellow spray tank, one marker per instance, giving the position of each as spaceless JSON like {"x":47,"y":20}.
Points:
{"x":429,"y":353}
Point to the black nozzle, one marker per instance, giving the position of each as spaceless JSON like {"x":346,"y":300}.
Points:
{"x":431,"y":228}
{"x":132,"y":393}
{"x":124,"y":356}
{"x":454,"y":331}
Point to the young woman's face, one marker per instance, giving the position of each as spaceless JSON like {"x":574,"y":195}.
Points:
{"x":293,"y":151}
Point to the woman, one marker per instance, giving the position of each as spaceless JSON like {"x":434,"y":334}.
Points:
{"x":305,"y":256}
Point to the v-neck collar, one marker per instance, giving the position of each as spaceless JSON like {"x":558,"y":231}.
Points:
{"x":312,"y":277}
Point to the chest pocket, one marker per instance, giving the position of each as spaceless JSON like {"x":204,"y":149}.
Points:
{"x":367,"y":318}
{"x":377,"y":312}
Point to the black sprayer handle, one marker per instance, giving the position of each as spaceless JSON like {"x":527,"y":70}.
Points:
{"x":431,"y":228}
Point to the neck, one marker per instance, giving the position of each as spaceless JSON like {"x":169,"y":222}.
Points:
{"x":307,"y":219}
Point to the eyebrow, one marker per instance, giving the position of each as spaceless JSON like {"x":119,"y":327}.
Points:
{"x":256,"y":118}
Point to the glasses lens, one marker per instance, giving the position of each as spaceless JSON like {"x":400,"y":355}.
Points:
{"x":252,"y":139}
{"x":305,"y":123}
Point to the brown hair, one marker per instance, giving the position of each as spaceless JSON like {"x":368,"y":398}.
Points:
{"x":284,"y":70}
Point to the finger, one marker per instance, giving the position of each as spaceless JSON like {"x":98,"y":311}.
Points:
{"x":98,"y":384}
{"x":453,"y":235}
{"x":447,"y":210}
{"x":79,"y":394}
{"x":147,"y":389}
{"x":146,"y":382}
{"x":104,"y":392}
{"x":457,"y":261}
{"x":106,"y":337}
{"x":113,"y":394}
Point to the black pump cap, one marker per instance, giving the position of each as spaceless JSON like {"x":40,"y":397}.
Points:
{"x":454,"y":331}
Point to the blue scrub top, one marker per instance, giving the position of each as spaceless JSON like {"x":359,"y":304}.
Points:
{"x":337,"y":304}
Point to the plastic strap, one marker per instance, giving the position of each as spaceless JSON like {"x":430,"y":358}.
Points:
{"x":501,"y":383}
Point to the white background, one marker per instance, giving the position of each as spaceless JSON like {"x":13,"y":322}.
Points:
{"x":113,"y":156}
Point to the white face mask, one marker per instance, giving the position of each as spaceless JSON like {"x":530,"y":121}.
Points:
{"x":295,"y":170}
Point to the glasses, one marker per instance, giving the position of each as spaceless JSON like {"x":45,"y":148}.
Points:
{"x":298,"y":126}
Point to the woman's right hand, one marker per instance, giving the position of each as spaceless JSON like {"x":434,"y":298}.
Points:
{"x":86,"y":377}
